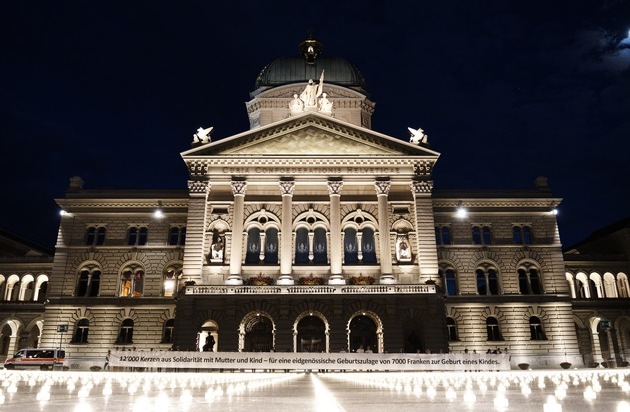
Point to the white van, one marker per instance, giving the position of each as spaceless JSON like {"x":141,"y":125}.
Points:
{"x":41,"y":358}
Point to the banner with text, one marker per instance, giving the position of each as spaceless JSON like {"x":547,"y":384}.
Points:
{"x":313,"y":361}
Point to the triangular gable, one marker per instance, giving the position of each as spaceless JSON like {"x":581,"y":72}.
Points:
{"x":310,"y":134}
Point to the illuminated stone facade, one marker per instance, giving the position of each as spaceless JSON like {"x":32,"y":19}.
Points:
{"x":310,"y":232}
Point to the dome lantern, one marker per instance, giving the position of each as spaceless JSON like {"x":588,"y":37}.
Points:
{"x":310,"y":49}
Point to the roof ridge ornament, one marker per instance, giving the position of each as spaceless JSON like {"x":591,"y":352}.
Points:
{"x":203,"y":135}
{"x":418,"y":136}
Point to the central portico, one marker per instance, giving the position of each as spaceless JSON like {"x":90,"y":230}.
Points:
{"x":310,"y":217}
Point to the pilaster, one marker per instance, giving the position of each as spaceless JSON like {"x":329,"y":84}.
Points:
{"x":195,"y":229}
{"x":425,"y":229}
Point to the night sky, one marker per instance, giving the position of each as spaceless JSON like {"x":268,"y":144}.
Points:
{"x":506,"y":90}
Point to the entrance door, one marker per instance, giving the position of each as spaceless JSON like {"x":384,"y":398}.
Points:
{"x":311,"y":335}
{"x":363,"y":334}
{"x":259,"y":335}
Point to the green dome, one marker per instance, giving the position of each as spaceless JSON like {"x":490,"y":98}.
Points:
{"x":300,"y":69}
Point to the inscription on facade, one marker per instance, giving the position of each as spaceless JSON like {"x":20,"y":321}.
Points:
{"x":307,"y":170}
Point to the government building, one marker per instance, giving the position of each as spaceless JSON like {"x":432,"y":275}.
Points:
{"x":311,"y":232}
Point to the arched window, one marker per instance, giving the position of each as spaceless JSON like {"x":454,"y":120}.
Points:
{"x":442,"y":235}
{"x":137,"y":236}
{"x":610,"y":285}
{"x":89,"y":282}
{"x":177,"y":236}
{"x":82,"y":284}
{"x":252,"y":255}
{"x":622,"y":285}
{"x":534,"y":281}
{"x":529,"y":281}
{"x":523,"y":282}
{"x":167,"y":334}
{"x":527,"y":235}
{"x":125,"y":336}
{"x":81,"y":331}
{"x":368,"y":246}
{"x":95,"y":236}
{"x":43,"y":291}
{"x":451,"y":327}
{"x":449,"y":280}
{"x":171,"y":278}
{"x":301,"y":246}
{"x":132,"y":281}
{"x":12,"y":290}
{"x":487,"y":282}
{"x":350,"y":248}
{"x":492,"y":328}
{"x":271,"y":246}
{"x":482,"y":235}
{"x":522,"y":235}
{"x":320,"y":247}
{"x":536,"y":329}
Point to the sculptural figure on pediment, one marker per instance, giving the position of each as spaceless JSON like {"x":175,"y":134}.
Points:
{"x":311,"y":92}
{"x":296,"y":106}
{"x":325,"y":105}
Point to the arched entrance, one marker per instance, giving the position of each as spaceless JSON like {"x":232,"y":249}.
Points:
{"x":208,"y":337}
{"x":364,"y":333}
{"x":310,"y":333}
{"x":257,"y":333}
{"x":8,"y":338}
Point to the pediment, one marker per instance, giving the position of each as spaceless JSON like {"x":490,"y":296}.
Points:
{"x":310,"y":134}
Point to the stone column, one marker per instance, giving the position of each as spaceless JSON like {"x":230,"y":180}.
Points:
{"x":596,"y":347}
{"x":425,"y":230}
{"x":336,"y":246}
{"x":195,"y":230}
{"x":382,"y":191}
{"x":236,"y":256}
{"x":286,"y":256}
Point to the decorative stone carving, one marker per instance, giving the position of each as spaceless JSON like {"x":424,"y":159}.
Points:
{"x":403,"y":250}
{"x":311,"y":92}
{"x":296,"y":106}
{"x":202,"y":135}
{"x":418,"y":136}
{"x":199,"y":186}
{"x":422,"y":186}
{"x":239,"y":187}
{"x":382,"y":187}
{"x":216,"y":249}
{"x":423,"y":168}
{"x":286,"y":187}
{"x":334,"y":187}
{"x":325,"y":105}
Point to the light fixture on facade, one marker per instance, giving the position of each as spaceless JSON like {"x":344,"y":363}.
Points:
{"x":158,"y":214}
{"x":554,"y":211}
{"x":461,"y":212}
{"x":63,"y":213}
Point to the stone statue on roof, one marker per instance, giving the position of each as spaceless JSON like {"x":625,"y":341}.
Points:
{"x":202,"y":135}
{"x":418,"y":136}
{"x":325,"y":105}
{"x":297,"y":105}
{"x":311,"y":92}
